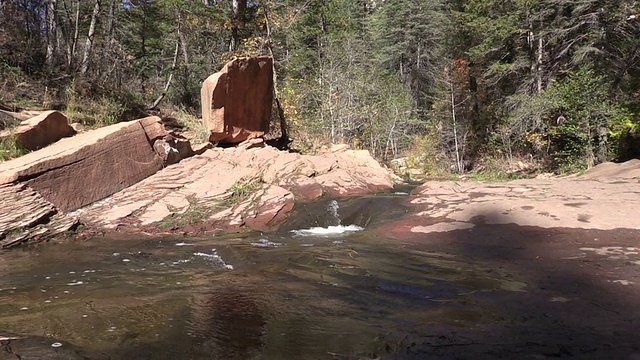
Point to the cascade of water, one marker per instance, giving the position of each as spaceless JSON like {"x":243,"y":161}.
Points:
{"x":334,"y":224}
{"x":334,"y":217}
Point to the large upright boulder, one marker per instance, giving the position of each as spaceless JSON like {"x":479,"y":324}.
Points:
{"x":237,"y":101}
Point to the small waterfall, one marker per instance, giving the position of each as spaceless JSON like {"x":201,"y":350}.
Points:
{"x":334,"y":224}
{"x":334,"y":217}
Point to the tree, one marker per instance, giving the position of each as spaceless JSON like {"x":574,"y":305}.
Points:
{"x":52,"y":34}
{"x":90,"y":38}
{"x":409,"y":39}
{"x":238,"y":18}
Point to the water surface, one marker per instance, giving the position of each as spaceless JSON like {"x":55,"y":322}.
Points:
{"x":295,"y":295}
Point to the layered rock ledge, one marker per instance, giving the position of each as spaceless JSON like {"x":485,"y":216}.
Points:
{"x":38,"y":189}
{"x":136,"y":176}
{"x":601,"y":199}
{"x":252,"y":186}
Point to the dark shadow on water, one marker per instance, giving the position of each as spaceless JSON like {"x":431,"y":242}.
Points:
{"x":364,"y":211}
{"x":572,"y":306}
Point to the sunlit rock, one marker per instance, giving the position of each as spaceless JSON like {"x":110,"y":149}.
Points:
{"x":41,"y":130}
{"x":237,"y":100}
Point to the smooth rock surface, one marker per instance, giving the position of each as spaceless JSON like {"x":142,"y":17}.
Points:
{"x":41,"y":130}
{"x":207,"y":186}
{"x":593,"y":201}
{"x":237,"y":100}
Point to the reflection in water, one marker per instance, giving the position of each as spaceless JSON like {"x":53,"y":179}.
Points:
{"x":229,"y":322}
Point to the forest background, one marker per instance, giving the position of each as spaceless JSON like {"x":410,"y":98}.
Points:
{"x":481,"y":86}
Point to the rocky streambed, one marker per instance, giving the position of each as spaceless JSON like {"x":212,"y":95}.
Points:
{"x":139,"y":177}
{"x":366,"y":277}
{"x":532,"y":269}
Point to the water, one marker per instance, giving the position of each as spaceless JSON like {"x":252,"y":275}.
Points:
{"x":340,"y":292}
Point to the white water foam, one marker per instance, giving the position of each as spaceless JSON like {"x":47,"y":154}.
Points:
{"x":214,"y":258}
{"x":265,"y":243}
{"x":327,"y":231}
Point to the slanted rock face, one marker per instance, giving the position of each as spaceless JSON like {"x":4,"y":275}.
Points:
{"x":42,"y":130}
{"x":78,"y":171}
{"x":236,"y":102}
{"x":204,"y":184}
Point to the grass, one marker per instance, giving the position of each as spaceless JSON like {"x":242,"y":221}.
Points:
{"x":195,"y":213}
{"x":10,"y":148}
{"x":195,"y":130}
{"x":241,"y":190}
{"x":92,"y":113}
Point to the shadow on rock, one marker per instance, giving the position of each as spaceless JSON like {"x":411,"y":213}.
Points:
{"x":580,"y":298}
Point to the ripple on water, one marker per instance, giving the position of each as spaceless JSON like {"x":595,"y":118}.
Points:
{"x":265,"y":243}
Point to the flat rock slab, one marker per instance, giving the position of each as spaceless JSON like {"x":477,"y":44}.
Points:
{"x":236,"y":188}
{"x":78,"y":171}
{"x":26,"y":215}
{"x":589,"y":202}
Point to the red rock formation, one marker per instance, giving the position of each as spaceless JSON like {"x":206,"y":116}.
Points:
{"x":41,"y":130}
{"x":204,"y":183}
{"x":78,"y":171}
{"x":237,"y":101}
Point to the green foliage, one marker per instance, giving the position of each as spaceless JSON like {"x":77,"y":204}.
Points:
{"x":10,"y":148}
{"x":574,"y":122}
{"x":427,"y":153}
{"x":195,"y":213}
{"x":622,"y":124}
{"x":379,"y":75}
{"x":584,"y":102}
{"x":240,"y":190}
{"x":93,"y":112}
{"x":195,"y":130}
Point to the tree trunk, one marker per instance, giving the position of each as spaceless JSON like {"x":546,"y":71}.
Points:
{"x":76,"y":35}
{"x":459,"y":166}
{"x":52,"y":37}
{"x":539,"y":66}
{"x":90,"y":36}
{"x":238,"y":9}
{"x":111,"y":24}
{"x":284,"y":128}
{"x":167,"y":85}
{"x":603,"y":148}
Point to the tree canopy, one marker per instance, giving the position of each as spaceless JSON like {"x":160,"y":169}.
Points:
{"x":451,"y":81}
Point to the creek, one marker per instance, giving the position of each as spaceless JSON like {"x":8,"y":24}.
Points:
{"x":324,"y":286}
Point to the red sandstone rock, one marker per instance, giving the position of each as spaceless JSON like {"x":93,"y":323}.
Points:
{"x":237,"y":101}
{"x":205,"y":181}
{"x":41,"y":130}
{"x":302,"y":187}
{"x":78,"y":171}
{"x":263,"y":210}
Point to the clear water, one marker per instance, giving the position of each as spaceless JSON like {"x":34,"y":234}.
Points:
{"x":349,"y":294}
